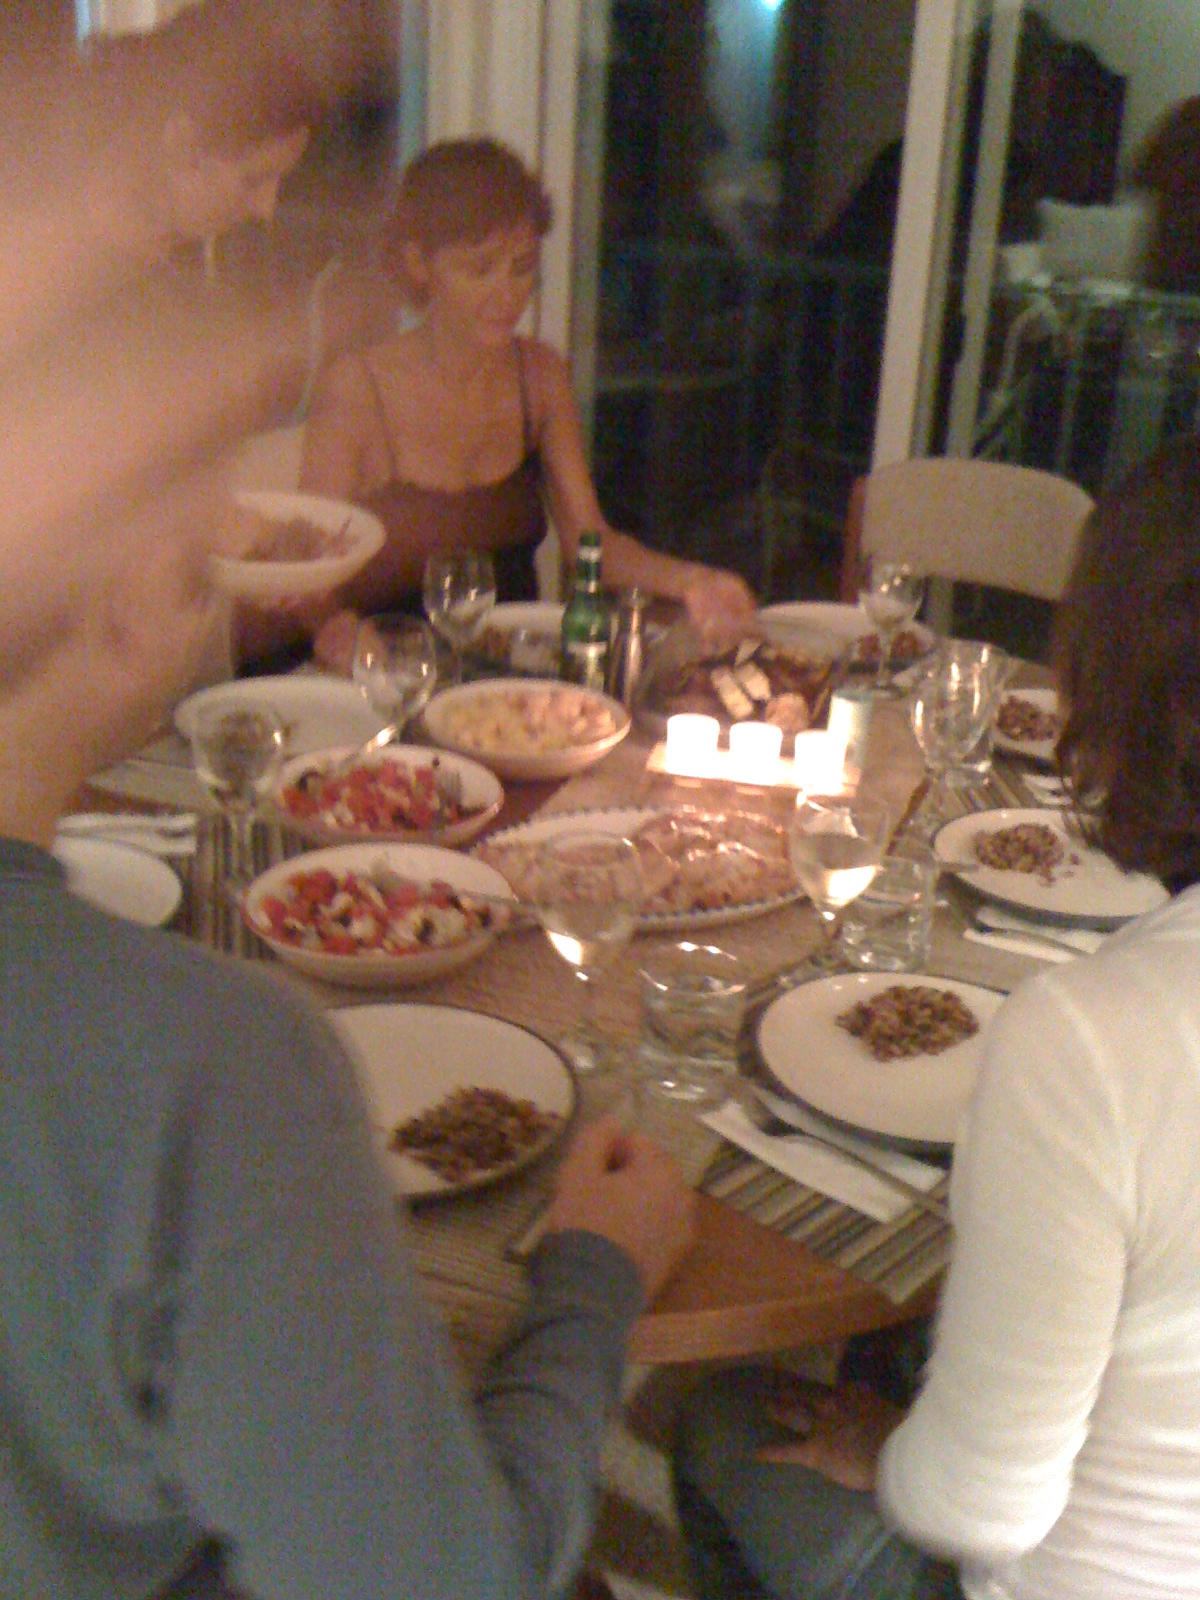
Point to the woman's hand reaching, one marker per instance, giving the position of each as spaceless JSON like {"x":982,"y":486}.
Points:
{"x":720,"y":605}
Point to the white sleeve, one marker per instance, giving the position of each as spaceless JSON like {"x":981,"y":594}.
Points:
{"x":981,"y":1469}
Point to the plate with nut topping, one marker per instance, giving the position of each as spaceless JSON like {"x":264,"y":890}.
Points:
{"x":1028,"y":724}
{"x":1029,"y":859}
{"x":456,"y":1099}
{"x":890,"y":1055}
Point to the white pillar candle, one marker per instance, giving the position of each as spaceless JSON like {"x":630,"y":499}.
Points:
{"x":754,"y":751}
{"x":692,"y":744}
{"x":818,"y":762}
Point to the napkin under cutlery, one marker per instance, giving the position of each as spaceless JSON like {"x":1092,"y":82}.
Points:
{"x":822,"y":1169}
{"x":170,"y":835}
{"x":1025,"y":936}
{"x":1047,"y":789}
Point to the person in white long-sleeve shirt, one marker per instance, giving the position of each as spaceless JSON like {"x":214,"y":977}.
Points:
{"x":1053,"y":1452}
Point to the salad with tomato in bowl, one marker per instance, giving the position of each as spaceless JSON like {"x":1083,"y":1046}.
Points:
{"x":378,"y":916}
{"x":402,"y":792}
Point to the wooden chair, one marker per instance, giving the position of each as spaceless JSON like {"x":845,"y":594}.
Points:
{"x":970,"y":521}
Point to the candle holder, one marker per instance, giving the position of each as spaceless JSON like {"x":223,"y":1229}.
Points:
{"x":754,"y":757}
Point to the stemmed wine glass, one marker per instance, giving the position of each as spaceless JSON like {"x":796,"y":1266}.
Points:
{"x":459,"y":589}
{"x":953,"y":704}
{"x":588,"y":889}
{"x":836,"y":847}
{"x":237,"y":752}
{"x":395,"y":666}
{"x":891,"y":595}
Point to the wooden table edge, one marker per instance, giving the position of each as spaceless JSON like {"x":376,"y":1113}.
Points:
{"x":746,"y":1290}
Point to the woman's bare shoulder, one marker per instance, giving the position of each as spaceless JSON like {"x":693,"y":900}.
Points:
{"x":547,"y":378}
{"x":353,"y":374}
{"x":542,"y":360}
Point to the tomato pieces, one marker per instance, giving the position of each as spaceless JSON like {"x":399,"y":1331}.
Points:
{"x":380,"y":796}
{"x":349,"y":914}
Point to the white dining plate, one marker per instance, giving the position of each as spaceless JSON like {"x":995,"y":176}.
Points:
{"x":318,"y":711}
{"x":522,"y":637}
{"x":625,"y":821}
{"x":482,"y":796}
{"x":1086,"y":887}
{"x":826,"y":625}
{"x":916,"y":1100}
{"x":537,"y":616}
{"x":410,"y":1057}
{"x":421,"y":863}
{"x":361,"y":537}
{"x":480,"y":720}
{"x":118,"y":879}
{"x":1033,"y":749}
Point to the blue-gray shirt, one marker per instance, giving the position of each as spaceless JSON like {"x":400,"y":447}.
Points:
{"x":210,"y":1324}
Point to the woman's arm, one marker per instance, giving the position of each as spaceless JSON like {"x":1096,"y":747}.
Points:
{"x":982,"y":1468}
{"x":338,"y":432}
{"x":714,"y":599}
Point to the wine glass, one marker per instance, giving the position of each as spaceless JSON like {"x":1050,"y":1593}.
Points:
{"x":953,"y":704}
{"x":459,"y":590}
{"x":836,"y":847}
{"x":237,"y":752}
{"x":395,"y":666}
{"x":587,"y":888}
{"x":891,"y":595}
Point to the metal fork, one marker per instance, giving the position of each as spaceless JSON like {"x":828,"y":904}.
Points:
{"x":764,"y":1118}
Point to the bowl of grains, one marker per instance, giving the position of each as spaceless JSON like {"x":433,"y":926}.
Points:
{"x":1028,"y":724}
{"x":889,"y":1055}
{"x":456,"y":1099}
{"x":1035,"y":861}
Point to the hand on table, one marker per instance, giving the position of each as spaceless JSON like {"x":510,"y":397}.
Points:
{"x":840,"y":1431}
{"x":623,"y":1187}
{"x":719,"y":603}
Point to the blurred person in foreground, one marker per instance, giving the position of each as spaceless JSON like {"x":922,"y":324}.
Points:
{"x":217,"y":1372}
{"x":113,"y":155}
{"x":1053,"y":1451}
{"x":462,"y":433}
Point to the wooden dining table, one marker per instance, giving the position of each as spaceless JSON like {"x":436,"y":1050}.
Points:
{"x":745,"y":1288}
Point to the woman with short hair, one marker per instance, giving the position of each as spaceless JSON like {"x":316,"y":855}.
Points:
{"x":461,"y":433}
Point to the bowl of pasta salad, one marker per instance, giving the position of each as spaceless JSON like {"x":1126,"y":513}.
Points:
{"x":526,"y":728}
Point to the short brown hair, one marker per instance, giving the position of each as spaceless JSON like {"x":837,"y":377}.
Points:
{"x":1127,"y":650}
{"x":458,"y":192}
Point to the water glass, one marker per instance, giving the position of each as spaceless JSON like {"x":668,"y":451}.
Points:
{"x":888,"y":928}
{"x":693,"y":1000}
{"x":995,"y":667}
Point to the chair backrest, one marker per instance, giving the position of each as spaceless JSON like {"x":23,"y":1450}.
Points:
{"x":270,"y":460}
{"x":971,"y":521}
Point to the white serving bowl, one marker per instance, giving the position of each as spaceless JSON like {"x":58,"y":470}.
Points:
{"x":505,"y":756}
{"x":482,"y":795}
{"x":423,"y":863}
{"x":284,"y":580}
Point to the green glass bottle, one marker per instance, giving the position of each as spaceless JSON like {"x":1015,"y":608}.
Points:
{"x":586,"y":624}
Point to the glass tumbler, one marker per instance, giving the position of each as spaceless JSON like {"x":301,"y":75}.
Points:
{"x":693,"y":1001}
{"x":888,"y":928}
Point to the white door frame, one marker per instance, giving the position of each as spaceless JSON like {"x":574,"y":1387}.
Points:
{"x":920,"y":228}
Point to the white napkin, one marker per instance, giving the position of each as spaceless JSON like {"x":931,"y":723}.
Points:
{"x":1025,"y":936}
{"x":1046,"y":789}
{"x":799,"y":1158}
{"x":165,"y":836}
